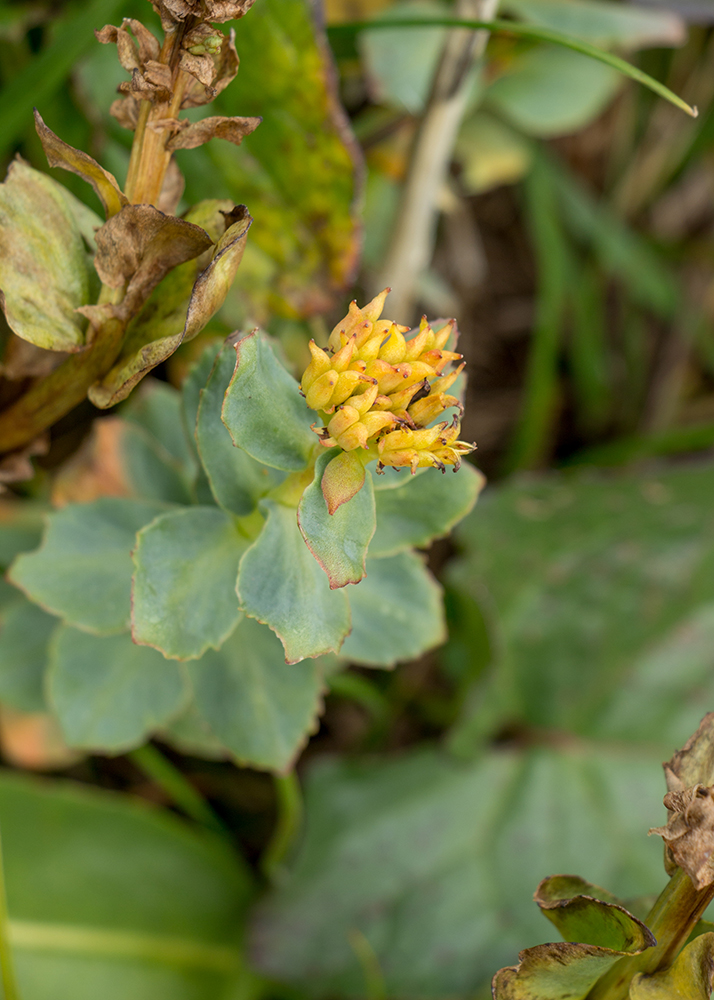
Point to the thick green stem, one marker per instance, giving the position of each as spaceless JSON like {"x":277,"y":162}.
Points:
{"x":671,"y":920}
{"x":7,"y":966}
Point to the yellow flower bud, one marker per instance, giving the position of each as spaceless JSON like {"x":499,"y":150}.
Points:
{"x":319,"y":394}
{"x":318,"y":366}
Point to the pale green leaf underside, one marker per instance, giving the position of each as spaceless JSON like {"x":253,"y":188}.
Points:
{"x":108,"y":693}
{"x":44,"y":274}
{"x":281,"y":584}
{"x":82,"y":570}
{"x":183,"y":592}
{"x":259,"y":707}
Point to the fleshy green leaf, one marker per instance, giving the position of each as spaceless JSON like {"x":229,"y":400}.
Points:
{"x":111,"y":898}
{"x":690,"y":977}
{"x":423,"y":508}
{"x":108,"y":693}
{"x":342,"y":479}
{"x":580,"y":914}
{"x":157,"y":408}
{"x":281,"y":585}
{"x":183,"y":594}
{"x":237,"y":481}
{"x":338,"y":541}
{"x":263,"y":408}
{"x":560,"y":971}
{"x":82,"y":570}
{"x":260,"y":708}
{"x":25,"y":631}
{"x":150,"y":470}
{"x":397,"y":612}
{"x":44,"y":275}
{"x":306,"y":247}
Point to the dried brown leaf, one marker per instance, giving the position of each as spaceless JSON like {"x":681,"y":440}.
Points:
{"x":172,"y":190}
{"x":216,"y":127}
{"x":126,"y":111}
{"x":139,"y":246}
{"x":217,"y":11}
{"x":60,"y":154}
{"x":200,"y":66}
{"x":694,"y":763}
{"x":225,"y":66}
{"x":689,"y":833}
{"x":17,"y":467}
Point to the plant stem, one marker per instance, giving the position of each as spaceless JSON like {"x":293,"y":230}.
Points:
{"x":7,"y":965}
{"x":290,"y":810}
{"x":671,"y":920}
{"x":153,"y":764}
{"x":412,"y":243}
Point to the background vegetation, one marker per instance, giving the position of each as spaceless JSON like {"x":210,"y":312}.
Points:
{"x":575,"y":244}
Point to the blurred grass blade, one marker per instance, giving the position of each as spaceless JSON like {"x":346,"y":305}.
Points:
{"x":74,"y":32}
{"x":588,"y":350}
{"x":7,"y":966}
{"x":673,"y":441}
{"x":531,"y":438}
{"x":339,"y":31}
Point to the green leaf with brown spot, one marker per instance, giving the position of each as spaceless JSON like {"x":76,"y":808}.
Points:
{"x":559,"y":971}
{"x":281,"y":585}
{"x":585,"y":917}
{"x":44,"y":273}
{"x":338,"y":541}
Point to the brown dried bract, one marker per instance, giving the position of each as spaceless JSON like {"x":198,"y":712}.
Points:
{"x":217,"y":11}
{"x":216,"y":127}
{"x":689,"y":833}
{"x":224,"y":64}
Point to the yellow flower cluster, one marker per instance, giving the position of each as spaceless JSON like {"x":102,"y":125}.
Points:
{"x":380,"y":391}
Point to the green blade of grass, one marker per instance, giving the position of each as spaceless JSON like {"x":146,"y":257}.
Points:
{"x":338,"y":31}
{"x":74,"y":32}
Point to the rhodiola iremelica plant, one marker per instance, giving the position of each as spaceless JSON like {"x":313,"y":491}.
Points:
{"x":267,"y":529}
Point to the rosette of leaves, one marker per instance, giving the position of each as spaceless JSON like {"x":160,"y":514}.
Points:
{"x":607,"y":952}
{"x":201,"y":600}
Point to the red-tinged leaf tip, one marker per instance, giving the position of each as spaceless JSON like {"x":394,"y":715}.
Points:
{"x":342,"y":479}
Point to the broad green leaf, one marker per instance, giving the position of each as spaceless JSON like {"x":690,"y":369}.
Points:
{"x":21,"y":524}
{"x":304,"y":247}
{"x":397,"y":612}
{"x":615,"y":573}
{"x":259,"y":707}
{"x":111,"y":898}
{"x":690,"y":977}
{"x":281,"y":585}
{"x":191,"y":389}
{"x":423,"y":508}
{"x":338,"y":541}
{"x":237,"y":481}
{"x":602,"y":22}
{"x":82,"y":570}
{"x":432,"y":861}
{"x":108,"y":693}
{"x":551,"y":91}
{"x":44,"y":273}
{"x":583,"y":917}
{"x":264,"y":411}
{"x":400,"y":63}
{"x":183,"y":593}
{"x":150,"y":470}
{"x":191,"y":734}
{"x":25,"y":631}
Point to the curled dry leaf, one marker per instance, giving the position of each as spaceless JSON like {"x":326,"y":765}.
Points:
{"x":694,"y":763}
{"x":60,"y":154}
{"x":224,"y":69}
{"x":172,"y":189}
{"x":139,"y":246}
{"x":216,"y":127}
{"x":207,"y":296}
{"x":217,"y":11}
{"x":689,"y":833}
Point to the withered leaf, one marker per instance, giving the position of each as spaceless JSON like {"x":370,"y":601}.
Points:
{"x":127,"y":50}
{"x":44,"y":273}
{"x":140,"y":246}
{"x":172,"y":188}
{"x":16,"y":467}
{"x":225,"y":67}
{"x":216,"y":127}
{"x":60,"y":154}
{"x":148,"y":44}
{"x":216,"y":11}
{"x":694,"y":763}
{"x":689,"y":833}
{"x":200,"y":66}
{"x":178,"y":311}
{"x":126,"y":111}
